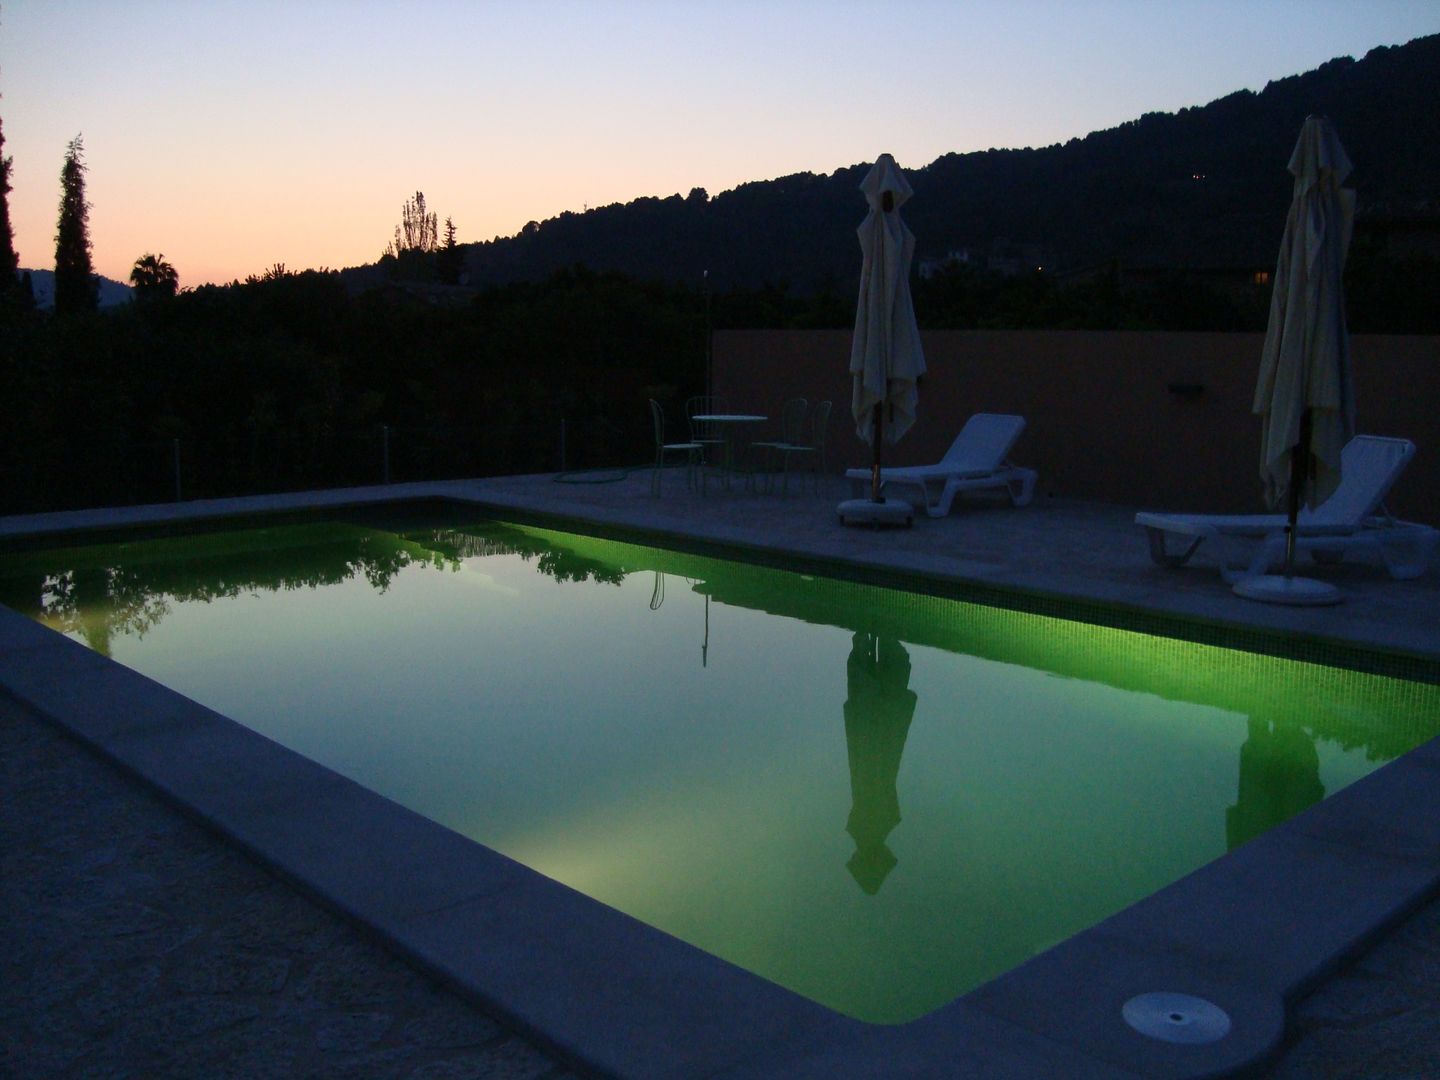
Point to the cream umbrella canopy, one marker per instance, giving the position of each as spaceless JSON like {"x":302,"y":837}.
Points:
{"x":1304,"y":393}
{"x":885,"y":354}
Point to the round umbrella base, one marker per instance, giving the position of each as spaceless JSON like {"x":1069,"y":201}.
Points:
{"x":870,"y":512}
{"x":1296,"y":591}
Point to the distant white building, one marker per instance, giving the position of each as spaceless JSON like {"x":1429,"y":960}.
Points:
{"x":1011,"y":260}
{"x":928,"y":266}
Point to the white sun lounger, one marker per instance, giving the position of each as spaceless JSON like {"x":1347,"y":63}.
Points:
{"x":976,"y":461}
{"x":1352,"y":520}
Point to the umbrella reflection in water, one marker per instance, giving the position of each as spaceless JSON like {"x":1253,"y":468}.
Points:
{"x":1279,"y":777}
{"x":657,"y":598}
{"x":878,"y":711}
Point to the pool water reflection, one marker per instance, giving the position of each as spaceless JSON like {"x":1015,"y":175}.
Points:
{"x":879,"y":799}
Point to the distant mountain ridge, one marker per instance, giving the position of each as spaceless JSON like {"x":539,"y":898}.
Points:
{"x":112,"y":293}
{"x":1203,"y":187}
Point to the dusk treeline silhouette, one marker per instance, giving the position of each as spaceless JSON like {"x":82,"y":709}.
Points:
{"x":290,"y":381}
{"x":417,"y":253}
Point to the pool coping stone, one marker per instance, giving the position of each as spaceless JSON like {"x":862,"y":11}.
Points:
{"x":614,"y":995}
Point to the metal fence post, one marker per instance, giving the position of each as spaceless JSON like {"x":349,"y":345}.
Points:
{"x":175,"y":448}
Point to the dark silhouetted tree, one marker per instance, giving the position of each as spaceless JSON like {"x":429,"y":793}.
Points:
{"x":418,"y":229}
{"x":277,"y":272}
{"x":154,"y":278}
{"x":9,"y":260}
{"x":451,"y":261}
{"x":76,"y":289}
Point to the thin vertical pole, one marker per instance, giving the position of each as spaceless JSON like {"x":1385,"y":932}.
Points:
{"x":887,"y":205}
{"x":1299,"y":462}
{"x":878,"y":436}
{"x":709,"y":339}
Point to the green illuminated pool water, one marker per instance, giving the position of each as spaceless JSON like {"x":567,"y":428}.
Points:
{"x":876,"y":798}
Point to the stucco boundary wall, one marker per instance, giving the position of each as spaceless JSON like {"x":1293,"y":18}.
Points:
{"x":1156,"y":420}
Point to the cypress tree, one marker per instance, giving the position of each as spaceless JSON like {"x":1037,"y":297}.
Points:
{"x":76,"y":289}
{"x":9,"y":260}
{"x":450,"y":261}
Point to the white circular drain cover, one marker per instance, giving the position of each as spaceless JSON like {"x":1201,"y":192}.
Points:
{"x":1176,"y":1018}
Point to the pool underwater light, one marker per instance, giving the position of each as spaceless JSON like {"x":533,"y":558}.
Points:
{"x":1176,"y":1018}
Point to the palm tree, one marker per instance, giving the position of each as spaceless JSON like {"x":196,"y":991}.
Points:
{"x":153,"y":278}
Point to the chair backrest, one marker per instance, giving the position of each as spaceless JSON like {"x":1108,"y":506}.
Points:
{"x":1369,"y":467}
{"x":792,"y":420}
{"x":984,"y":442}
{"x":820,"y":424}
{"x":704,"y":406}
{"x":658,"y":415}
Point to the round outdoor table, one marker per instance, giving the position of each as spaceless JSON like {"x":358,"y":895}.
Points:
{"x":729,"y":425}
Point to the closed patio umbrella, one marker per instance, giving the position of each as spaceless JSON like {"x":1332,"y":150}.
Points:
{"x":1304,"y":391}
{"x":885,"y":354}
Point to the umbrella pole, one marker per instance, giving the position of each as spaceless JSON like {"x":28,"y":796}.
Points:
{"x":1286,"y":588}
{"x":875,"y":461}
{"x":887,"y":205}
{"x":1299,"y":460}
{"x":709,"y":341}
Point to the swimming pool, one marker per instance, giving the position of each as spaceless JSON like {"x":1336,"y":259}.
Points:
{"x":831,"y":784}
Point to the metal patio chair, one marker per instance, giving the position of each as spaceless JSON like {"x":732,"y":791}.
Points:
{"x":707,"y":433}
{"x":811,"y":453}
{"x":689,"y":451}
{"x":792,"y":433}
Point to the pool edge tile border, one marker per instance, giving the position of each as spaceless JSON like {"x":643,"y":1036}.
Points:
{"x":1356,"y":654}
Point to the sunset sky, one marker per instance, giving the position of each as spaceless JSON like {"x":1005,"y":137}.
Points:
{"x":231,"y":136}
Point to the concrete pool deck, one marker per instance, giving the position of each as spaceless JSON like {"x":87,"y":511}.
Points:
{"x":1253,"y":932}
